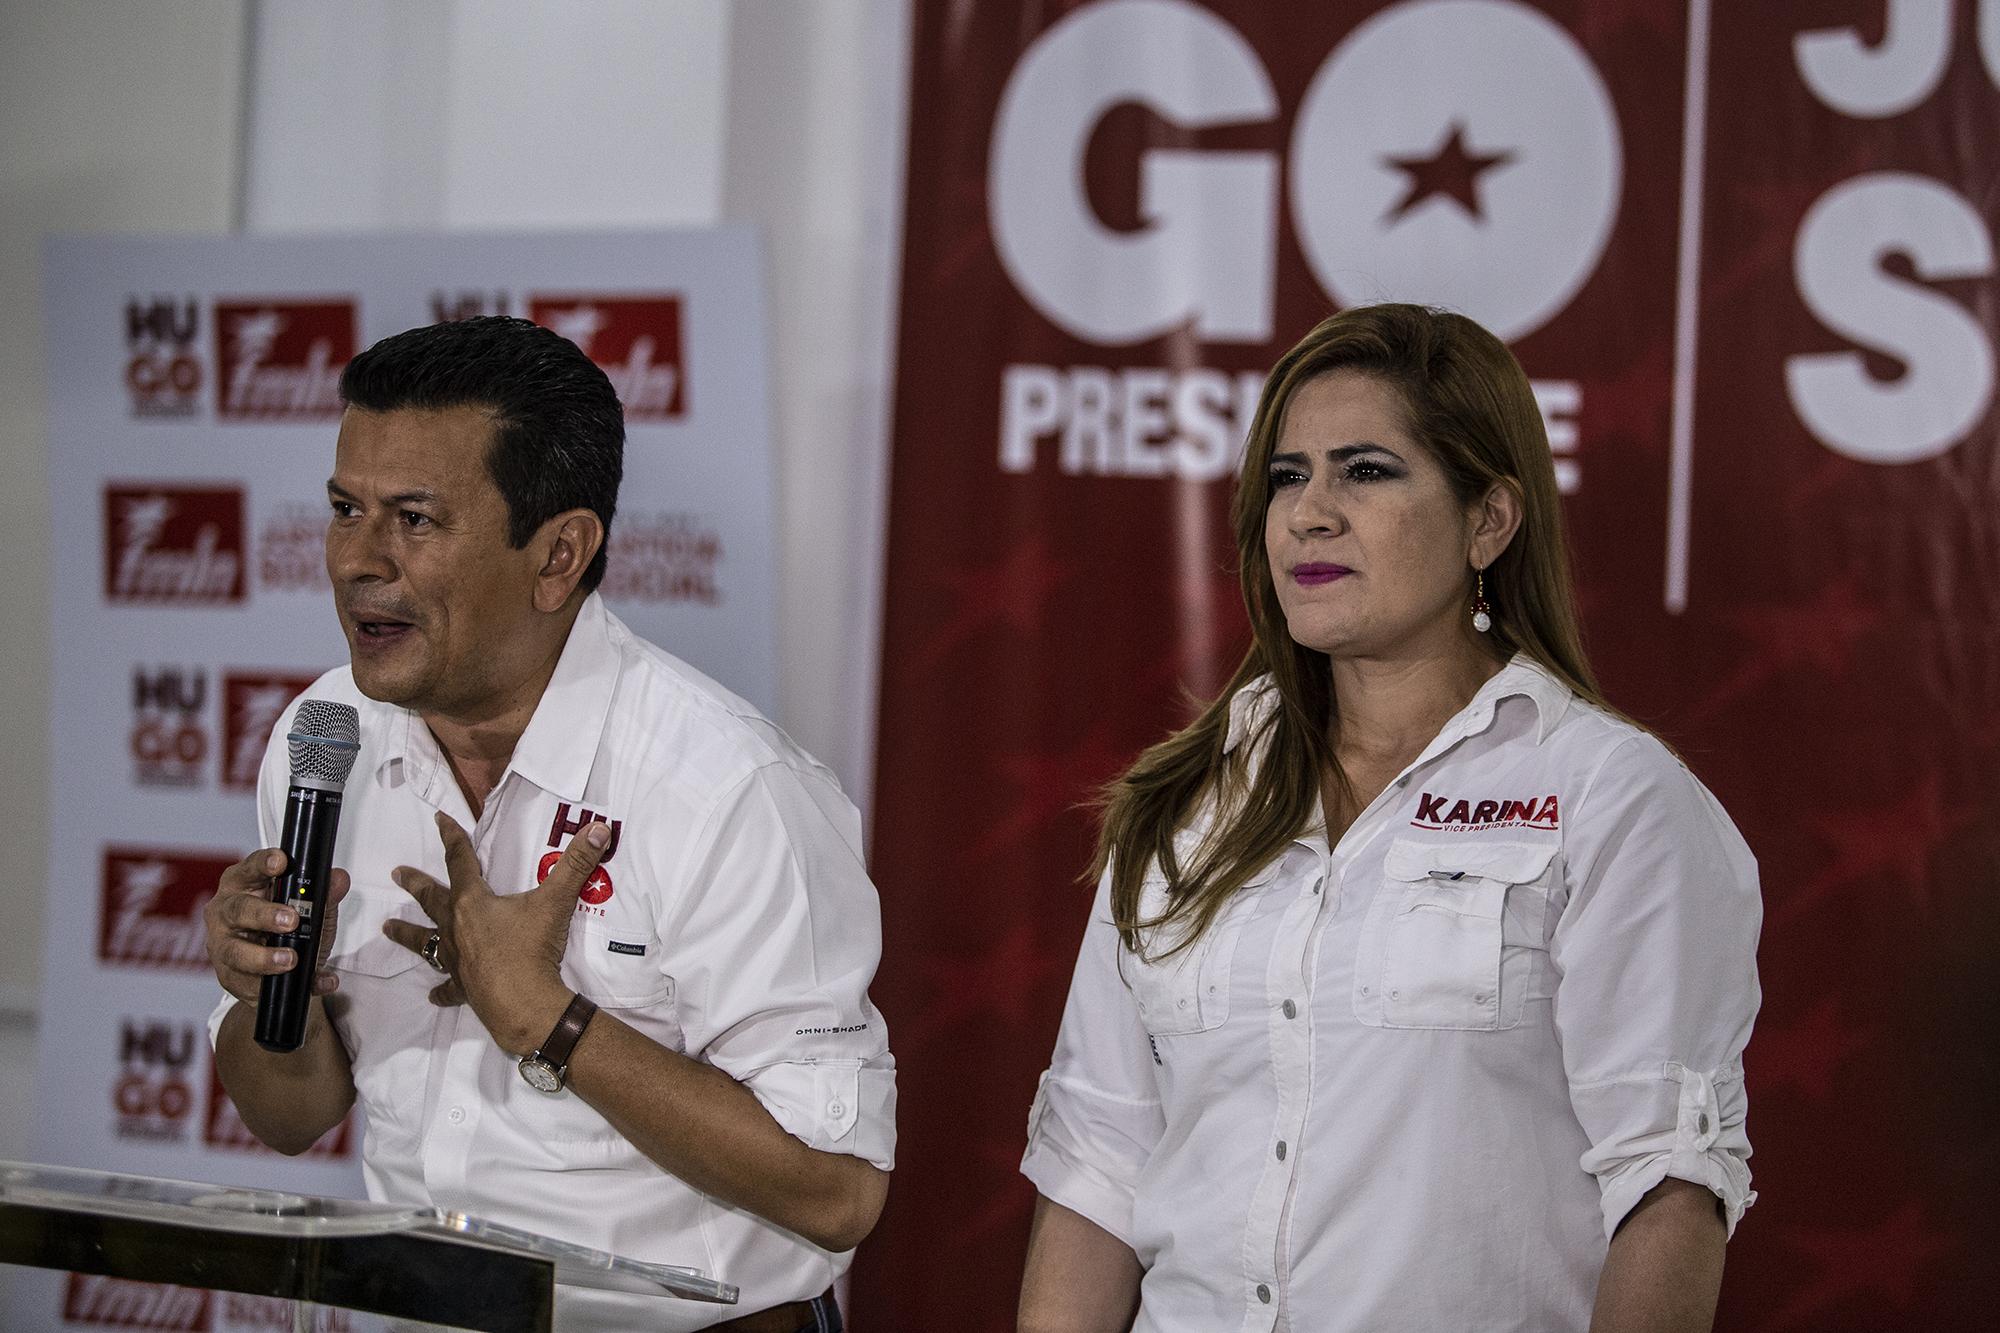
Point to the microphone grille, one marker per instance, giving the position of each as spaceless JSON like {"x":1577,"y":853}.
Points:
{"x":324,"y":739}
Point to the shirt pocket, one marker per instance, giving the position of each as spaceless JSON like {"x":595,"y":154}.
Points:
{"x":1187,"y":991}
{"x":1454,"y":935}
{"x":385,"y":1019}
{"x":625,"y":985}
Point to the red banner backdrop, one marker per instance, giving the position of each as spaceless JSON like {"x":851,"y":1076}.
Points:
{"x":1745,"y":256}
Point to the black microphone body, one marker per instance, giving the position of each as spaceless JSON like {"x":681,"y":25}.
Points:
{"x":323,"y":744}
{"x":312,"y":817}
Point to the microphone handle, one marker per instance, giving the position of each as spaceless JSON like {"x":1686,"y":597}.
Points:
{"x":311,"y":818}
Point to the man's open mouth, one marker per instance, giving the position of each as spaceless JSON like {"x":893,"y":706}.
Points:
{"x":382,"y":629}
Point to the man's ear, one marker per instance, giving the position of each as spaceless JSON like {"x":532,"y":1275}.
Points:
{"x":567,"y":544}
{"x":1492,"y":522}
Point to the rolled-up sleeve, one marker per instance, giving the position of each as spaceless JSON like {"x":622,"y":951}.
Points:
{"x":1656,"y":988}
{"x":772,"y":941}
{"x":1096,"y":1117}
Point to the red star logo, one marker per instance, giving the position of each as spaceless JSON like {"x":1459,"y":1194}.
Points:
{"x":1883,"y":1261}
{"x":1453,"y":170}
{"x":1013,"y":590}
{"x":596,"y":890}
{"x":1806,"y":1055}
{"x":1871,"y":842}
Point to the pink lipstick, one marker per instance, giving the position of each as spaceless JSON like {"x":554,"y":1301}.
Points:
{"x":1314,"y":574}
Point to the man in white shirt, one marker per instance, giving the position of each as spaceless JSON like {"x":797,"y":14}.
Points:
{"x":564,"y":848}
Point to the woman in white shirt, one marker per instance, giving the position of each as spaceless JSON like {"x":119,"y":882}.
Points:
{"x":1417,"y":981}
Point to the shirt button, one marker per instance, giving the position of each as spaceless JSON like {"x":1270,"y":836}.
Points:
{"x":456,"y":1115}
{"x":1181,"y":1003}
{"x":1291,"y":1010}
{"x":1479,"y":999}
{"x":1395,"y":995}
{"x":1701,"y":1123}
{"x":1263,"y":1293}
{"x":1281,"y":1150}
{"x":836,"y":1109}
{"x":1319,"y":883}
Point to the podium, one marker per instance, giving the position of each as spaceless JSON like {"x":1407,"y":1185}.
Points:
{"x":429,"y":1266}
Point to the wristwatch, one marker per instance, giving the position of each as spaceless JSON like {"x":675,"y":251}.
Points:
{"x":548,"y":1068}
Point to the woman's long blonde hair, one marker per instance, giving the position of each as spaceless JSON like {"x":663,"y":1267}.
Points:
{"x":1467,"y":400}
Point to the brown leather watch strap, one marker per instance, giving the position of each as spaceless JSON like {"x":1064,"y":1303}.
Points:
{"x":569,"y":1028}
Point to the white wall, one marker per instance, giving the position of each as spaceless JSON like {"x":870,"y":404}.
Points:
{"x":455,"y":114}
{"x":384,"y":115}
{"x":458,"y":114}
{"x":817,"y":112}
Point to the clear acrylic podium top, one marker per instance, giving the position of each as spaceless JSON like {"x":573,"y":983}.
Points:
{"x":428,"y":1264}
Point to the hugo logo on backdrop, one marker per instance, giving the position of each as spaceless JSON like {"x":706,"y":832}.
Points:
{"x":169,"y":740}
{"x":151,"y":1097}
{"x":163,"y":373}
{"x":1485,"y":176}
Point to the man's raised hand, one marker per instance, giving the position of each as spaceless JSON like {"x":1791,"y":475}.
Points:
{"x":502,"y":953}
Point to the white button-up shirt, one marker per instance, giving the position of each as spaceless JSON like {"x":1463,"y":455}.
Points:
{"x":733,"y":922}
{"x":1413,"y":1081}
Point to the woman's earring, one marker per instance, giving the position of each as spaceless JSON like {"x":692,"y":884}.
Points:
{"x":1481,"y":620}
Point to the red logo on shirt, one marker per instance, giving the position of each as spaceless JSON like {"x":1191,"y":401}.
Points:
{"x":595,"y":891}
{"x":1462,"y":816}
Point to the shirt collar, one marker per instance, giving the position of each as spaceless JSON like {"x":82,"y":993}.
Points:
{"x":1522,"y":677}
{"x":556,"y":751}
{"x":1251,"y":709}
{"x":560,"y":744}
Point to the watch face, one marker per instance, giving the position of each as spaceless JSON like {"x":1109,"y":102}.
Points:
{"x":541,"y":1075}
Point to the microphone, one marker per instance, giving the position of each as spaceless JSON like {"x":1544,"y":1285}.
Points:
{"x":324,"y":739}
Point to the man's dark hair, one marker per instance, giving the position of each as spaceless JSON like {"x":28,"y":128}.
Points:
{"x":558,"y":428}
